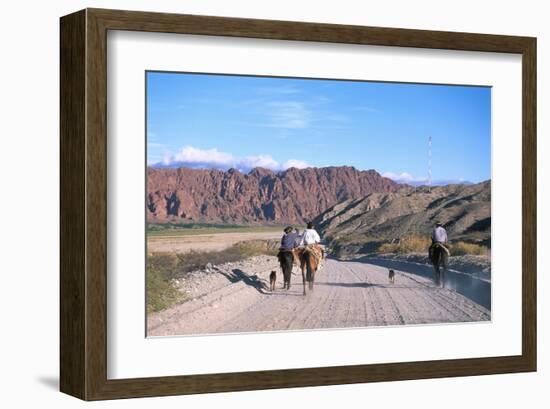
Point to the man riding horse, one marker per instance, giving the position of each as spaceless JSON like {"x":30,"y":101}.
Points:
{"x":439,"y":237}
{"x":310,"y":236}
{"x":286,"y":255}
{"x":310,"y":254}
{"x":439,"y":253}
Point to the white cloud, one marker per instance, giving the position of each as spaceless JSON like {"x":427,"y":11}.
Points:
{"x":409,"y":179}
{"x":259,"y":161}
{"x":288,"y":114}
{"x":153,"y":159}
{"x":193,"y":155}
{"x":404,"y":177}
{"x":295,"y":163}
{"x":197,"y":158}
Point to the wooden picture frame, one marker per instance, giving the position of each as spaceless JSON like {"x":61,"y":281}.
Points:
{"x":83,"y":256}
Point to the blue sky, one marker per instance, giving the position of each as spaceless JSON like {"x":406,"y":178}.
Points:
{"x":218,"y":121}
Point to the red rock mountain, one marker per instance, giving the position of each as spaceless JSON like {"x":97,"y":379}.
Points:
{"x":259,"y":197}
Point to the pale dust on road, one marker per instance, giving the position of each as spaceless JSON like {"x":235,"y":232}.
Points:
{"x":346,"y":294}
{"x":205,"y":242}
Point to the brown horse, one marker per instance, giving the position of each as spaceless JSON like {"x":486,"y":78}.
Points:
{"x":439,"y":258}
{"x":309,"y":258}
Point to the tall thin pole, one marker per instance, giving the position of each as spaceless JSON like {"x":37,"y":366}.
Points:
{"x":430,"y":163}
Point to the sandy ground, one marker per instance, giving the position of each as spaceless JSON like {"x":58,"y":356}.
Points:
{"x":235,"y":298}
{"x":205,"y":242}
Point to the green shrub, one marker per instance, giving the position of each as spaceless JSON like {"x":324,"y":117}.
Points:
{"x":161,"y":293}
{"x":163,"y":268}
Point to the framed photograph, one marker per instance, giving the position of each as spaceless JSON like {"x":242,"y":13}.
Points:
{"x":252,"y":204}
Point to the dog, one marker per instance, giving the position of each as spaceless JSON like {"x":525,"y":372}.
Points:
{"x":391,"y":276}
{"x":272,"y":280}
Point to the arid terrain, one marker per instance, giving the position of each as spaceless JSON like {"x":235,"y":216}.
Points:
{"x":355,"y":211}
{"x":213,"y":235}
{"x":359,"y":225}
{"x":235,"y":297}
{"x":215,"y":241}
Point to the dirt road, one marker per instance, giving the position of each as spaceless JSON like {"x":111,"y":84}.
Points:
{"x":235,"y":298}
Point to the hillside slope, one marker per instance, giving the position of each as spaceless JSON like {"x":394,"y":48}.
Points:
{"x":465,"y":210}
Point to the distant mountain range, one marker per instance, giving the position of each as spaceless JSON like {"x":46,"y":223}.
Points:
{"x":261,"y":196}
{"x":465,"y":210}
{"x":441,"y":182}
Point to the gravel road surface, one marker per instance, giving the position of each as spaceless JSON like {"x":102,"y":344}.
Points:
{"x":235,"y":298}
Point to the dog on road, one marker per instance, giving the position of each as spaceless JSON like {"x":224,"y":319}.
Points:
{"x":272,"y":280}
{"x":391,"y":276}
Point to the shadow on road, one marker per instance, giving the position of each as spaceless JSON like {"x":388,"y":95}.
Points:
{"x":368,"y":285}
{"x":285,"y":293}
{"x":347,"y":285}
{"x":237,"y":275}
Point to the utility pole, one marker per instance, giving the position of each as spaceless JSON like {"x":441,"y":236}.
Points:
{"x":430,"y":163}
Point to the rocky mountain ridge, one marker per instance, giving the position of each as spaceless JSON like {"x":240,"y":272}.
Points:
{"x":186,"y":195}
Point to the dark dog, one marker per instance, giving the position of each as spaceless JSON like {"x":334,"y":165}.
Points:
{"x":391,"y":276}
{"x":272,"y":279}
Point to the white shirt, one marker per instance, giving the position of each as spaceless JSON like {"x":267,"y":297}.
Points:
{"x":310,"y":236}
{"x":439,"y":235}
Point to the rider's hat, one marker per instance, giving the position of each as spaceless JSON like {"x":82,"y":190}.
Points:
{"x":288,"y":229}
{"x":438,"y":223}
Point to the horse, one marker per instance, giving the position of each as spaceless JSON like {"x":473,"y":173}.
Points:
{"x":309,"y":258}
{"x":286,"y":260}
{"x":439,"y":258}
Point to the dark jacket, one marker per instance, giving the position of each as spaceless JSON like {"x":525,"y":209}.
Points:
{"x":288,"y":242}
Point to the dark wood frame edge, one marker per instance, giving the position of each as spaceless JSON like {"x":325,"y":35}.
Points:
{"x":83,"y":111}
